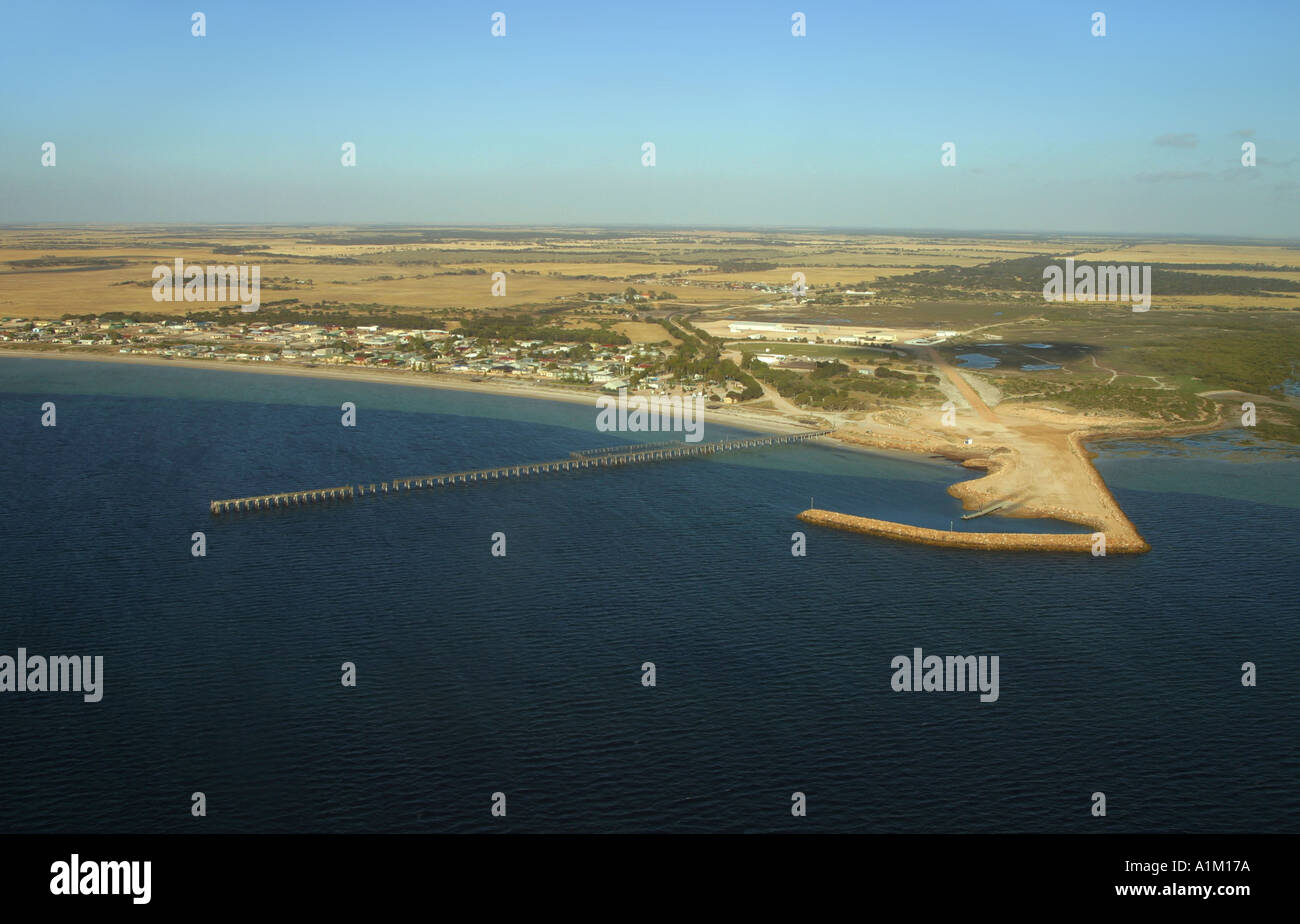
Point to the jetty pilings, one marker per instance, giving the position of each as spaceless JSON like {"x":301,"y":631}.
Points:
{"x":578,"y":461}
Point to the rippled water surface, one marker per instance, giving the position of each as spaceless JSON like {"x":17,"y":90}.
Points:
{"x":521,"y":674}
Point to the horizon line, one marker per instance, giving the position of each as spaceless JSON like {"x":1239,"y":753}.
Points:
{"x":619,"y":226}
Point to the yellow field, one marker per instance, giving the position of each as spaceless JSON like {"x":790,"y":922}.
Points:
{"x":451,"y":268}
{"x":641,"y":332}
{"x":1195,"y":253}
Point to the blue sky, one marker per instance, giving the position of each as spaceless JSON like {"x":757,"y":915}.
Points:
{"x":1139,"y":131}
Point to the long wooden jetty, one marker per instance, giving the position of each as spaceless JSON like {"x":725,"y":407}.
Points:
{"x":597,"y":458}
{"x":626,"y":447}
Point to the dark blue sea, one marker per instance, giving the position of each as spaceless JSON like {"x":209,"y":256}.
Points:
{"x":522,"y":674}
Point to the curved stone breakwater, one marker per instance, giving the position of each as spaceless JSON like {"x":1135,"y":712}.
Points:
{"x":1035,"y":475}
{"x":1002,"y":542}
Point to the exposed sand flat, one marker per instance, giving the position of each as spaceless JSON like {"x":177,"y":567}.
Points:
{"x":1037,"y":473}
{"x":1036,"y":464}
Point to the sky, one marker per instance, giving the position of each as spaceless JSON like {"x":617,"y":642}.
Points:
{"x":1055,"y":129}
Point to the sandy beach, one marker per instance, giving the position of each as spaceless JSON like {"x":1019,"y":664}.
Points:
{"x":742,"y":418}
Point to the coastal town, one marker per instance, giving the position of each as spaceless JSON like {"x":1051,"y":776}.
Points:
{"x":650,"y":367}
{"x":701,"y":359}
{"x":430,"y":350}
{"x":953,"y":354}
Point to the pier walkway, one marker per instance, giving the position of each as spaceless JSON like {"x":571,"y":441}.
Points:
{"x":591,"y":458}
{"x":626,"y":447}
{"x":996,"y":505}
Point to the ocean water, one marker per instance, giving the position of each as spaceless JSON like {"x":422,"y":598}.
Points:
{"x":522,"y":674}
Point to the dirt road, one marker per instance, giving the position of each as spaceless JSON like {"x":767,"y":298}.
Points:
{"x":959,"y":382}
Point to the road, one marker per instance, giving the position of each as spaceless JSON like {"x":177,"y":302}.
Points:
{"x":959,"y":382}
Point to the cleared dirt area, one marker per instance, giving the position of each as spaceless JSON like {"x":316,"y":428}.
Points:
{"x":1035,"y":461}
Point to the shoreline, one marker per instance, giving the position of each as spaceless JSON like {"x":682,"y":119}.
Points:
{"x":500,"y":388}
{"x":1105,"y":516}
